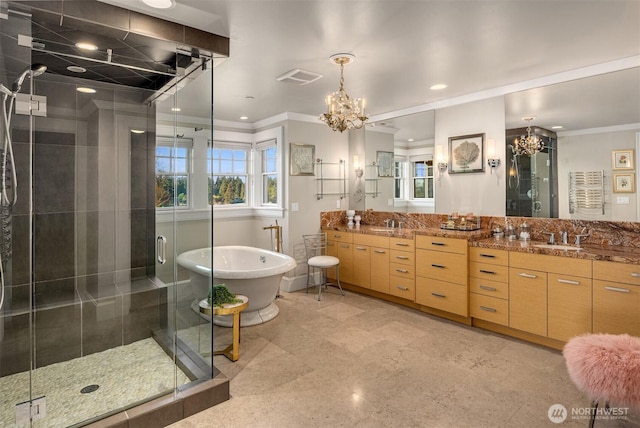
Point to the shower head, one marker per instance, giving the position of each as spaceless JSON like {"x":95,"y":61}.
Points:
{"x":33,"y":70}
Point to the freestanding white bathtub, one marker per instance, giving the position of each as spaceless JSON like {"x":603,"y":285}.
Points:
{"x":253,"y":272}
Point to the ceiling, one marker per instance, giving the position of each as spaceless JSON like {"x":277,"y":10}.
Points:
{"x":403,"y":47}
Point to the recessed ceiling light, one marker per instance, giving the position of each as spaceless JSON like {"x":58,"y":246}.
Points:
{"x":76,"y":69}
{"x":86,"y":46}
{"x":176,"y":109}
{"x":160,"y":4}
{"x":86,"y":90}
{"x":410,"y":140}
{"x":438,"y":87}
{"x":137,"y":131}
{"x":557,"y":127}
{"x":244,"y":117}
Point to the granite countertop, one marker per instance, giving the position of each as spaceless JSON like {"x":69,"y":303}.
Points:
{"x":410,"y":233}
{"x":482,"y":238}
{"x":588,"y":252}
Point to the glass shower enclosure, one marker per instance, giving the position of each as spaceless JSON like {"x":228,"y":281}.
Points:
{"x":532,"y":181}
{"x":87,"y":329}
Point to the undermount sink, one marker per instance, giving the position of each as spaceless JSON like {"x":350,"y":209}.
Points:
{"x":557,"y":247}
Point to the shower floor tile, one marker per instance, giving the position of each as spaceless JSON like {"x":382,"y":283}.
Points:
{"x":124,"y":375}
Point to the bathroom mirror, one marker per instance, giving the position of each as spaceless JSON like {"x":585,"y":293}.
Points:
{"x":410,"y":138}
{"x":598,"y":114}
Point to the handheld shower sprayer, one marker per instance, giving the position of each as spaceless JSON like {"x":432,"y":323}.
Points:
{"x":32,"y":71}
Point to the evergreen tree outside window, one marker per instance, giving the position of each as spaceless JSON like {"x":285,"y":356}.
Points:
{"x":172,"y":173}
{"x":269,"y":171}
{"x":228,"y":175}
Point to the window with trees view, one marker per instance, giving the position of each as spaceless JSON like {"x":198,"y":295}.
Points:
{"x":269,"y":171}
{"x":172,"y":174}
{"x":228,"y":174}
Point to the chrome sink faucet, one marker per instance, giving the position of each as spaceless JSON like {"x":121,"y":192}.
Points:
{"x":564,"y":237}
{"x":579,"y":238}
{"x":552,"y":237}
{"x":391,"y":222}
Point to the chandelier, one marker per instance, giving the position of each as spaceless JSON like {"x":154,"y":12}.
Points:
{"x":530,"y":144}
{"x":343,"y":112}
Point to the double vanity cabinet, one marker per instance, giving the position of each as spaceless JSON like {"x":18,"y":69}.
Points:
{"x":544,"y":296}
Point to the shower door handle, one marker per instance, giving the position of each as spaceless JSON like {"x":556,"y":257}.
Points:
{"x":161,"y":249}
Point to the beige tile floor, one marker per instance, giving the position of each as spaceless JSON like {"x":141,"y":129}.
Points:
{"x":355,"y":361}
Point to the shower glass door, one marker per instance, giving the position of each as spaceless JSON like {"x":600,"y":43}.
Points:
{"x":183,"y":213}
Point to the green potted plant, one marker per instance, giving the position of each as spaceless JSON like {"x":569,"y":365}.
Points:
{"x":220,"y":294}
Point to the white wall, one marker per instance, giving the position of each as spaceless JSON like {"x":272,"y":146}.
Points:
{"x":330,"y":146}
{"x":592,"y":152}
{"x":482,"y":193}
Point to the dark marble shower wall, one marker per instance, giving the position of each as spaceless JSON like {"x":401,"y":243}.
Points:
{"x":94,"y":227}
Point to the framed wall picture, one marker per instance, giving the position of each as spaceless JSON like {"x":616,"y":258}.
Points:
{"x":624,"y":182}
{"x":384,"y":160}
{"x":466,"y":154}
{"x":301,"y":159}
{"x":622,"y":159}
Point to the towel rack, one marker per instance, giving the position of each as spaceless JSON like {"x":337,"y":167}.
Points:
{"x":586,"y":190}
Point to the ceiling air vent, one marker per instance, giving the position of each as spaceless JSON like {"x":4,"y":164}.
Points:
{"x":299,"y":77}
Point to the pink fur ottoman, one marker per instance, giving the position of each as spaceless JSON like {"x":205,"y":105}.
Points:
{"x":606,"y":367}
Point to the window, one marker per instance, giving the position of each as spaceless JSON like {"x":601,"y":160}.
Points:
{"x":422,"y":179}
{"x":172,"y":173}
{"x":398,"y":179}
{"x":269,"y":171}
{"x":228,"y":168}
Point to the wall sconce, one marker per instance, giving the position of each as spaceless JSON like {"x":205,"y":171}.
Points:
{"x":492,"y":160}
{"x":356,"y":167}
{"x":441,"y":159}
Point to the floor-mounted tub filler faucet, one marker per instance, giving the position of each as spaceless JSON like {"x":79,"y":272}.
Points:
{"x":278,"y":230}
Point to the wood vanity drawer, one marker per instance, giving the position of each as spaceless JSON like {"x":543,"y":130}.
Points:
{"x":490,"y":272}
{"x":334,"y":235}
{"x":489,"y":288}
{"x":371,"y":240}
{"x":402,"y":244}
{"x":490,"y":309}
{"x":402,"y":287}
{"x":443,"y":266}
{"x":489,"y":255}
{"x":399,"y":269}
{"x":555,"y":264}
{"x":616,"y":272}
{"x":403,"y":257}
{"x":450,"y":245}
{"x":442,"y":295}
